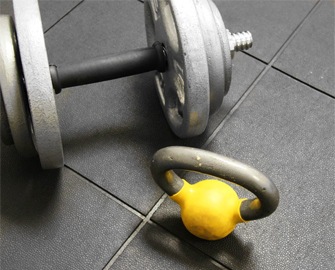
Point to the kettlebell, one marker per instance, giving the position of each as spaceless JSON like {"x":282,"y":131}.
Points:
{"x":211,"y":209}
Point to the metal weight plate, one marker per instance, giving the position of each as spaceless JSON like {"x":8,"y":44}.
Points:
{"x":184,"y":88}
{"x":217,"y":50}
{"x":15,"y":124}
{"x":46,"y":132}
{"x":6,"y":134}
{"x":224,"y":40}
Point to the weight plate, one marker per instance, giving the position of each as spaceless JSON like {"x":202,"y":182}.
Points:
{"x":46,"y":132}
{"x":6,"y":134}
{"x":218,"y":55}
{"x":15,"y":124}
{"x":184,"y":88}
{"x":224,"y":40}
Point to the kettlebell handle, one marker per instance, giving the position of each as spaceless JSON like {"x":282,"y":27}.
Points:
{"x":191,"y":159}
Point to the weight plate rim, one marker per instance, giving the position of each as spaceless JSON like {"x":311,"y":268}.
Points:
{"x":197,"y":96}
{"x":14,"y":100}
{"x":35,"y":65}
{"x":214,"y":51}
{"x":227,"y":59}
{"x":6,"y":134}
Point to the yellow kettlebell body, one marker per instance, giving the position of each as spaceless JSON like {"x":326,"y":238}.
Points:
{"x":210,"y":209}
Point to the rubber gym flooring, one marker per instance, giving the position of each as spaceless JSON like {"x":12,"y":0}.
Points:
{"x":103,"y":209}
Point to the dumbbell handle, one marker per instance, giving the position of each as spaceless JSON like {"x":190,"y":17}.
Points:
{"x":109,"y":67}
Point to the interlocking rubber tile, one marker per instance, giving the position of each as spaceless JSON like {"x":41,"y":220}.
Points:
{"x":56,"y":219}
{"x":270,"y":22}
{"x":310,"y":55}
{"x":286,"y":130}
{"x":154,"y":248}
{"x":107,"y":128}
{"x":51,"y":11}
{"x":110,"y":130}
{"x":6,"y":7}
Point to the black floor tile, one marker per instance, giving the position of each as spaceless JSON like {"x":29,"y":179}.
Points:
{"x":154,"y":248}
{"x":6,"y":7}
{"x":56,"y":219}
{"x":310,"y":55}
{"x":111,"y":130}
{"x":286,"y":130}
{"x":108,"y":128}
{"x":51,"y":11}
{"x":271,"y":22}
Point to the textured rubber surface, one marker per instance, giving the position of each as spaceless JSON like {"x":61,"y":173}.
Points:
{"x":154,"y":247}
{"x":111,"y":130}
{"x":271,"y":22}
{"x":312,"y":59}
{"x":55,"y":219}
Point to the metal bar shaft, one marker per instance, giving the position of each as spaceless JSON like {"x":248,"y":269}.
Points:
{"x":109,"y":67}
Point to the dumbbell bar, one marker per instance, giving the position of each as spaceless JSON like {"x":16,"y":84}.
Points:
{"x":109,"y":67}
{"x":193,"y":71}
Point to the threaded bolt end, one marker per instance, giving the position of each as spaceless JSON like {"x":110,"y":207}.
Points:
{"x":239,"y":41}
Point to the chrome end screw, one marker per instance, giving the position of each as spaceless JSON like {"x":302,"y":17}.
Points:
{"x":239,"y":41}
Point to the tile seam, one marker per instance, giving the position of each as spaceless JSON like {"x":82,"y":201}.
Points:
{"x":303,"y":82}
{"x":213,"y":260}
{"x":106,"y":193}
{"x":135,"y":232}
{"x":243,"y":97}
{"x":261,"y":75}
{"x":289,"y":75}
{"x":211,"y":137}
{"x":65,"y":15}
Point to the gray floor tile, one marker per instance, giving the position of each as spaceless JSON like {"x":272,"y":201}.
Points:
{"x":56,"y":219}
{"x":111,"y":130}
{"x":154,"y":248}
{"x":51,"y":11}
{"x":286,"y":130}
{"x":6,"y":7}
{"x":108,"y":128}
{"x":271,"y":21}
{"x":310,"y":56}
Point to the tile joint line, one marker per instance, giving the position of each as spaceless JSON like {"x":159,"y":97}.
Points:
{"x":261,"y":75}
{"x":67,"y":13}
{"x":135,"y":232}
{"x":107,"y":193}
{"x":212,"y":259}
{"x":288,"y":75}
{"x":211,"y":137}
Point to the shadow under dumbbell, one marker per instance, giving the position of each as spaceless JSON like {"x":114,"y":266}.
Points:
{"x":28,"y":193}
{"x":109,"y":116}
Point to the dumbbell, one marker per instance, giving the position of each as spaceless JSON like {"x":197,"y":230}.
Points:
{"x":189,"y":48}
